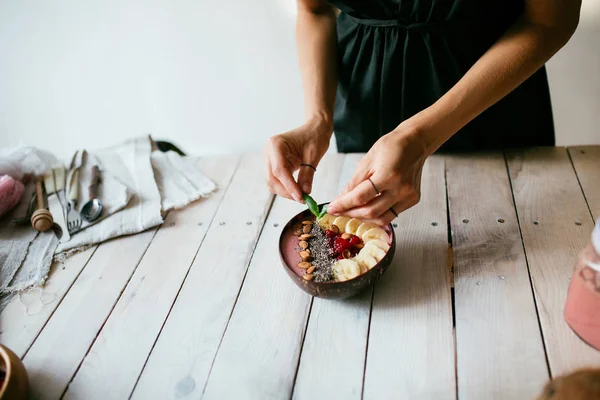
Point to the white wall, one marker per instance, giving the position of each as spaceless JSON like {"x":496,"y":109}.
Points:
{"x":89,"y":73}
{"x":574,"y":77}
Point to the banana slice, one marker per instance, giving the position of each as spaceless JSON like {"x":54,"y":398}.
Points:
{"x":353,"y":225}
{"x":373,"y":251}
{"x":380,"y":243}
{"x":341,"y":222}
{"x":326,"y":221}
{"x":363,"y":228}
{"x":346,"y":269}
{"x":375,"y":233}
{"x":365,"y":260}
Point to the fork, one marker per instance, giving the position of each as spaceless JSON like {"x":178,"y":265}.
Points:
{"x":73,"y":216}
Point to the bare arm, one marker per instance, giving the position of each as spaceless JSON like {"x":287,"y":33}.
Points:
{"x":395,"y":161}
{"x":542,"y":30}
{"x":316,"y":40}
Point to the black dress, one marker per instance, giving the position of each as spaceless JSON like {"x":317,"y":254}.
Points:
{"x":395,"y":59}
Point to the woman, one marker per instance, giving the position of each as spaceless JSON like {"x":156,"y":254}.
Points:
{"x":414,"y":77}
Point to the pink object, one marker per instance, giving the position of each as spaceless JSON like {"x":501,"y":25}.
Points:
{"x":11,"y":192}
{"x":582,"y":309}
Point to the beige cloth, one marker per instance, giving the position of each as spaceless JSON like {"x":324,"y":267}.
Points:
{"x":138,"y":186}
{"x":150,"y":182}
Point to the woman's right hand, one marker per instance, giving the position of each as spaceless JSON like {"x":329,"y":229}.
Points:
{"x":285,"y":152}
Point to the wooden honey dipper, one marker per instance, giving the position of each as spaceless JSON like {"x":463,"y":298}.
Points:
{"x":41,"y":219}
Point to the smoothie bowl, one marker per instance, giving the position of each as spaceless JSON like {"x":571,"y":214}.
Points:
{"x":334,"y":257}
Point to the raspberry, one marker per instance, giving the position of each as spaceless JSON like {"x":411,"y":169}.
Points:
{"x":339,"y":245}
{"x":355,"y":240}
{"x":330,"y":234}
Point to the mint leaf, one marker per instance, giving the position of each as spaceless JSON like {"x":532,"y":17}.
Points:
{"x":312,"y":204}
{"x":323,"y":212}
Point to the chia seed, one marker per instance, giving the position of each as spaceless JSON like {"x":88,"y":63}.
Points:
{"x":320,"y":251}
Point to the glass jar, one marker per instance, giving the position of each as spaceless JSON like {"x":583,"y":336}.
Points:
{"x":582,"y":309}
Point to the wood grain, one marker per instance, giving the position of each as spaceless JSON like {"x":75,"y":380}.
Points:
{"x":181,"y":359}
{"x":25,"y":316}
{"x":500,"y":354}
{"x":586,"y":160}
{"x":556,"y":225}
{"x":411,"y":343}
{"x":260,"y":350}
{"x":336,"y":338}
{"x":133,"y":326}
{"x":60,"y":347}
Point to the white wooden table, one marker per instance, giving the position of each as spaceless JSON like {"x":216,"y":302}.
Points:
{"x":201,"y":307}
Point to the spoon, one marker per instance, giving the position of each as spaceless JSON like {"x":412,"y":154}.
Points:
{"x":93,"y":208}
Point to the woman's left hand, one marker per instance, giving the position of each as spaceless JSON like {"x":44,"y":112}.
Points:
{"x":387,"y":180}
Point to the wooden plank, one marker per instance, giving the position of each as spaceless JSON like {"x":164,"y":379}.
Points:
{"x":556,"y":225}
{"x":184,"y":352}
{"x":133,"y":326}
{"x":411,"y":342}
{"x":500,"y":354}
{"x":586,"y":160}
{"x":336,"y":338}
{"x":260,"y":349}
{"x":25,"y":316}
{"x":62,"y":344}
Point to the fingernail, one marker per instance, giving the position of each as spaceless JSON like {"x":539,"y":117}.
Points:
{"x":306,"y":188}
{"x":331,"y":210}
{"x":295,"y":196}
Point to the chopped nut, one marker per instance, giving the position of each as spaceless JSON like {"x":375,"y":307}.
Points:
{"x":310,"y":270}
{"x":360,"y":246}
{"x":298,"y":232}
{"x":304,"y":265}
{"x":297,"y":226}
{"x":306,"y":236}
{"x":306,"y":222}
{"x":305,"y":255}
{"x":307,"y":228}
{"x":303,"y":244}
{"x":335,"y":229}
{"x":308,"y":277}
{"x":346,"y":236}
{"x":346,"y":254}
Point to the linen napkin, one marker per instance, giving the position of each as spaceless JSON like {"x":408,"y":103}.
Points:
{"x":179,"y":181}
{"x":113,"y":194}
{"x":130,"y":162}
{"x":138,"y":185}
{"x":25,"y":255}
{"x":157,"y":182}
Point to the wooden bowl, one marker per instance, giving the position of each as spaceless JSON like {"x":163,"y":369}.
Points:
{"x":16,"y":382}
{"x":328,"y":290}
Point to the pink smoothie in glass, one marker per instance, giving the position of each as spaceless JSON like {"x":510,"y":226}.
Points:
{"x":582,"y":309}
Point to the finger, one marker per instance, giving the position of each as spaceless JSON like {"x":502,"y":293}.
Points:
{"x":281,"y":170}
{"x":394,"y":210}
{"x":274,"y":185}
{"x":362,"y":172}
{"x":374,"y":209}
{"x":359,"y":196}
{"x":277,"y":188}
{"x":407,"y":202}
{"x":306,"y":176}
